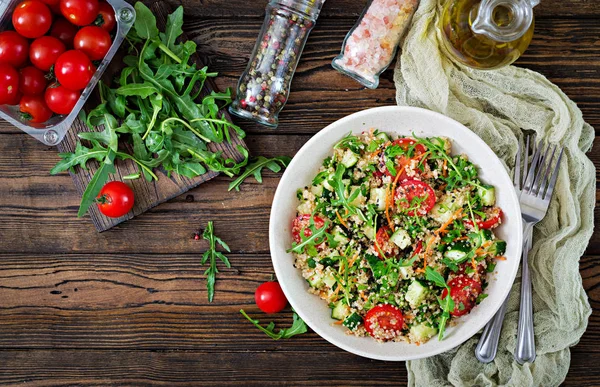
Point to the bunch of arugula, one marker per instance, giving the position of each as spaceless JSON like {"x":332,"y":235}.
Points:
{"x":153,"y":107}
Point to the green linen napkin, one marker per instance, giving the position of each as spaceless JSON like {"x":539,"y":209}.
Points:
{"x":499,"y":106}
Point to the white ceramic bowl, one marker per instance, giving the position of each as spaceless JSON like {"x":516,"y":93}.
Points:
{"x":401,"y":121}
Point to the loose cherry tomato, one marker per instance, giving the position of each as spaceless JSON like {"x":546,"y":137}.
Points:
{"x":106,"y":16}
{"x":115,"y":199}
{"x":33,"y":81}
{"x":45,"y":51}
{"x":74,"y":70}
{"x":9,"y":84}
{"x":60,"y":99}
{"x":384,"y":321}
{"x":404,"y":144}
{"x":79,"y":12}
{"x":464,"y":292}
{"x":270,"y":298}
{"x":32,"y":19}
{"x":302,"y":222}
{"x":14,"y":49}
{"x":93,"y":41}
{"x":492,"y":220}
{"x":411,"y":193}
{"x":63,"y":31}
{"x":34,"y":109}
{"x":383,"y":244}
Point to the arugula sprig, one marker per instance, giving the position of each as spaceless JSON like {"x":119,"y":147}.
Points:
{"x":255,"y":168}
{"x":447,"y":303}
{"x":316,"y":237}
{"x":211,"y":256}
{"x":298,"y":327}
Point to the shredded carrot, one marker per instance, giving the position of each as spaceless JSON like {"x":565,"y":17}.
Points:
{"x":474,"y":264}
{"x":428,"y":251}
{"x":501,"y":258}
{"x":449,"y":222}
{"x":445,"y":168}
{"x":352,"y":260}
{"x":388,"y":196}
{"x":339,"y":322}
{"x":461,"y":239}
{"x":340,"y":219}
{"x":337,"y":290}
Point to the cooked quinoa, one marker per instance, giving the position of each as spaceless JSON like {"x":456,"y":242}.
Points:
{"x":397,"y":236}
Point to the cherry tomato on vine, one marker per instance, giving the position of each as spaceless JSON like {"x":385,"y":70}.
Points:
{"x":115,"y":199}
{"x":63,"y":31}
{"x":93,"y":41}
{"x":34,"y":109}
{"x":9,"y":85}
{"x":45,"y":51}
{"x":74,"y":70}
{"x":32,"y":18}
{"x":106,"y":16}
{"x":14,"y":49}
{"x":383,"y":320}
{"x":32,"y":81}
{"x":60,"y":99}
{"x":270,"y":298}
{"x":79,"y":12}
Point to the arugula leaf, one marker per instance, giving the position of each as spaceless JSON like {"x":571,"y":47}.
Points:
{"x":173,"y":29}
{"x":211,"y":256}
{"x":255,"y":169}
{"x":80,"y":157}
{"x":95,"y":185}
{"x":316,"y":237}
{"x":298,"y":327}
{"x":145,"y":22}
{"x":447,"y":304}
{"x":143,"y":90}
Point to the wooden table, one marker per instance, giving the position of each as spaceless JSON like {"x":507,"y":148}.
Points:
{"x":129,"y":306}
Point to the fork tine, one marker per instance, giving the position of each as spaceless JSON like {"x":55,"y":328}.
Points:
{"x":525,"y":163}
{"x":517,"y":174}
{"x":531,"y":173}
{"x":550,"y":189}
{"x":538,"y":183}
{"x":545,"y":182}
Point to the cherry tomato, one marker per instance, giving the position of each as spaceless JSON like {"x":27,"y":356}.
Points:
{"x":33,"y":81}
{"x":115,"y":199}
{"x":107,"y":18}
{"x":74,"y":70}
{"x":93,"y":41}
{"x":9,"y":84}
{"x":492,"y":220}
{"x":464,"y":292}
{"x":79,"y":12}
{"x":270,"y":298}
{"x":45,"y":51}
{"x":411,"y":193}
{"x":63,"y":31}
{"x":404,"y":144}
{"x":384,"y":321}
{"x":383,"y":244}
{"x":34,"y":109}
{"x":303,"y":221}
{"x":32,"y":19}
{"x":60,"y":99}
{"x":50,"y":2}
{"x":14,"y":49}
{"x":481,"y":271}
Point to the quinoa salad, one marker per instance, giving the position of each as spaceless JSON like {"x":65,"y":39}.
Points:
{"x":397,"y":236}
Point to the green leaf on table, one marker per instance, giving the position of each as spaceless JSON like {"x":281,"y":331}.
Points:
{"x":145,"y":22}
{"x":190,"y":169}
{"x":101,"y":116}
{"x":173,"y":29}
{"x":143,"y":90}
{"x":80,"y":156}
{"x":298,"y":327}
{"x":211,"y":256}
{"x":255,"y":169}
{"x":95,"y":185}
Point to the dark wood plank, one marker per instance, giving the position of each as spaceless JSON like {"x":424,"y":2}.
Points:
{"x":147,"y":194}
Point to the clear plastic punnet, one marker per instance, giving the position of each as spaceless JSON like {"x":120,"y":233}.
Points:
{"x":54,"y":130}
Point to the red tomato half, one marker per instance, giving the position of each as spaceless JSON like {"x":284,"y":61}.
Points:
{"x":14,"y":49}
{"x":492,"y":220}
{"x":115,"y":199}
{"x":106,"y":15}
{"x":302,"y":222}
{"x":33,"y":81}
{"x":60,"y":99}
{"x":411,"y":191}
{"x":9,"y":85}
{"x":63,"y":31}
{"x":32,"y":19}
{"x":79,"y":12}
{"x":405,"y":144}
{"x":383,"y":244}
{"x":464,"y":292}
{"x":74,"y":70}
{"x":270,"y":298}
{"x":384,"y":321}
{"x":34,"y":109}
{"x":93,"y":41}
{"x":45,"y":51}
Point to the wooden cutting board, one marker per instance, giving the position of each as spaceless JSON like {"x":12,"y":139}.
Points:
{"x":147,"y":194}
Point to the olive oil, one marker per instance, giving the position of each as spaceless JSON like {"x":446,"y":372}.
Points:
{"x":478,"y":50}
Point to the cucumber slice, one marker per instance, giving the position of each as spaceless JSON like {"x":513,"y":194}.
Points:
{"x":329,"y":280}
{"x":340,"y":237}
{"x":458,"y":251}
{"x":326,"y":184}
{"x":349,"y":159}
{"x":369,"y":232}
{"x":317,"y":190}
{"x":443,"y":142}
{"x":353,"y":321}
{"x":377,"y":197}
{"x":416,"y":293}
{"x":340,"y":310}
{"x":487,"y":194}
{"x":401,"y":238}
{"x":304,"y":208}
{"x":360,"y":199}
{"x":497,"y":248}
{"x":382,"y":136}
{"x":406,"y":272}
{"x":448,"y":204}
{"x":315,"y":280}
{"x":421,"y":332}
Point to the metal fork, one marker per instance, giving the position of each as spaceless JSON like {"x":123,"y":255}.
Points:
{"x":534,"y":188}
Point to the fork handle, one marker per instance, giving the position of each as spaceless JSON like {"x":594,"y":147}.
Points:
{"x":525,"y":351}
{"x":487,"y":346}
